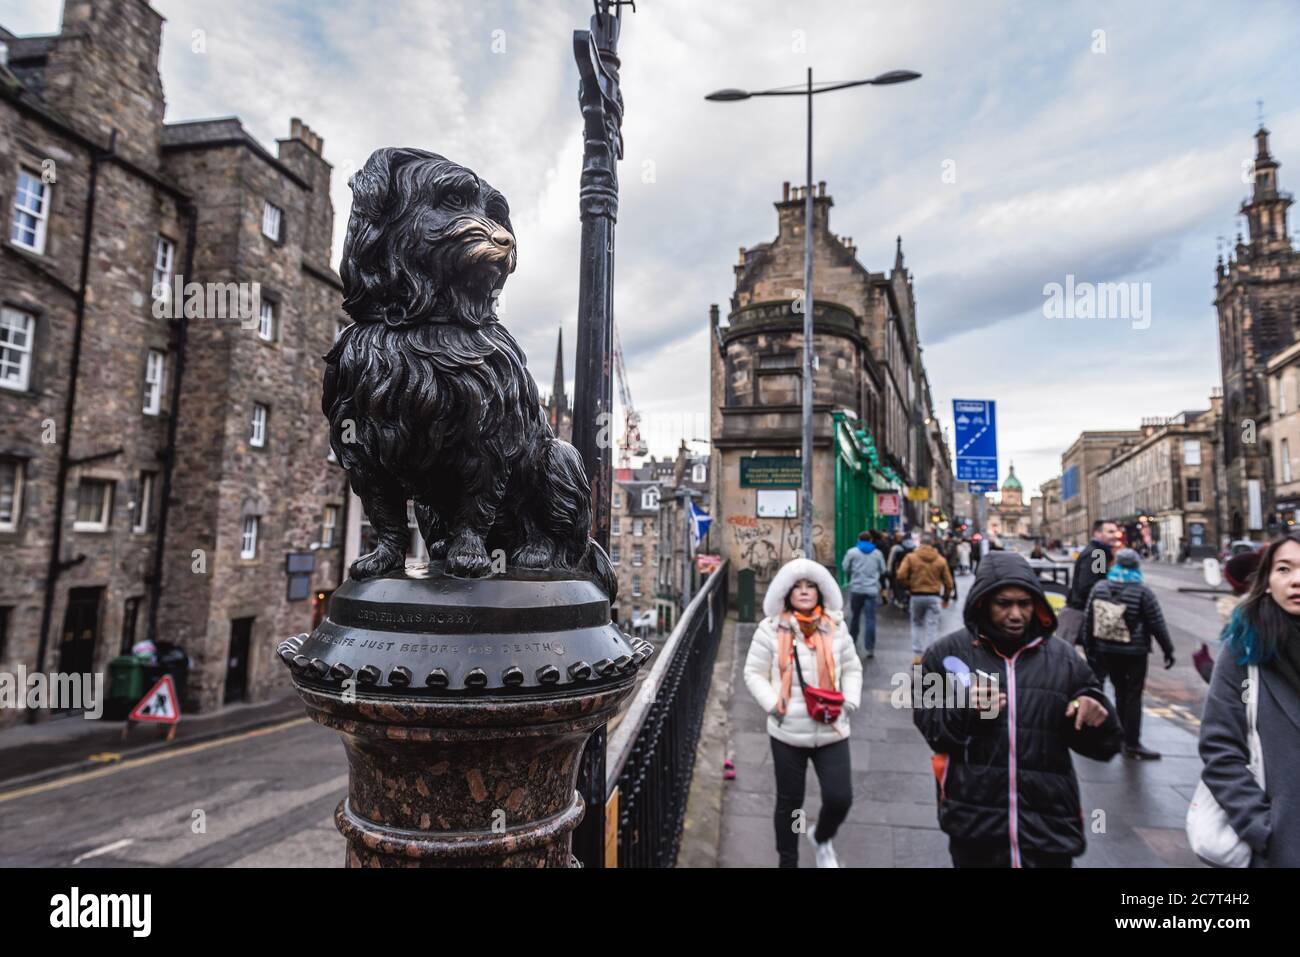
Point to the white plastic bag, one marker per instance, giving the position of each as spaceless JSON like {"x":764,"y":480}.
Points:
{"x":1211,"y":836}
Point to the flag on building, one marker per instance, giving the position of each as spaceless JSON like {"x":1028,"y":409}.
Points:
{"x":700,"y":522}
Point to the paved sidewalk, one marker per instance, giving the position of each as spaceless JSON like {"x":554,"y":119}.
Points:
{"x":1135,"y":810}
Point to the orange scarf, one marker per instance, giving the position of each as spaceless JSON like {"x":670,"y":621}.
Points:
{"x":818,"y":635}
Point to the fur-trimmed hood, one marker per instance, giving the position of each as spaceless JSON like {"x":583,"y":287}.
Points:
{"x":790,"y":573}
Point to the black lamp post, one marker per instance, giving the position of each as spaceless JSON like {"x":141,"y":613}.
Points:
{"x":884,"y":79}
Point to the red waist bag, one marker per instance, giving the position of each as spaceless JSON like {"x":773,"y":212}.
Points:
{"x":823,"y":706}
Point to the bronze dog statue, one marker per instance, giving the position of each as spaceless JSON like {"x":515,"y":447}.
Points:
{"x":428,"y":395}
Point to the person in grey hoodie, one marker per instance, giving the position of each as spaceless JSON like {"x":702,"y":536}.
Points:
{"x":863,"y":567}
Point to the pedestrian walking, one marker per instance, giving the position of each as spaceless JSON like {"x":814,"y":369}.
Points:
{"x":1005,"y":783}
{"x":901,"y":546}
{"x":1090,"y":567}
{"x":1260,"y":656}
{"x":963,"y":556}
{"x":976,"y":551}
{"x":926,"y":575}
{"x":804,"y":640}
{"x":1122,"y":617}
{"x":864,"y":566}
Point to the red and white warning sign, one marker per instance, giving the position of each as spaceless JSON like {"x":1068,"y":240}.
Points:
{"x":159,"y":704}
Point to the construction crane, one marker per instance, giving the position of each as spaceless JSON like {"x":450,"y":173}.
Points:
{"x":632,"y":443}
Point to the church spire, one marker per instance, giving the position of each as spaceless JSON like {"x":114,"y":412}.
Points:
{"x":898,"y":253}
{"x":1266,"y":210}
{"x":559,"y":401}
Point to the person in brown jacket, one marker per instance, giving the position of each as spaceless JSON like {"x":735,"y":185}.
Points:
{"x":926,"y":575}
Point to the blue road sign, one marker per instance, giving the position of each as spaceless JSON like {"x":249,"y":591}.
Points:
{"x":979,"y":488}
{"x":976,"y":437}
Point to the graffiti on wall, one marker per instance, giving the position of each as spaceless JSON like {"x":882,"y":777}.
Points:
{"x":764,"y":548}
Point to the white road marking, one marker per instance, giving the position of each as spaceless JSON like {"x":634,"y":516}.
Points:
{"x":106,"y":849}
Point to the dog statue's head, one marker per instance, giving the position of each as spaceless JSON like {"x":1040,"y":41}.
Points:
{"x":428,"y":241}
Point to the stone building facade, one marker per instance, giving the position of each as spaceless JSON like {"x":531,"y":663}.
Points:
{"x":1160,"y":488}
{"x":867,"y":365}
{"x":1257,"y":296}
{"x":676,"y":577}
{"x":1081,"y":464}
{"x":161,"y":448}
{"x":634,"y":535}
{"x":1282,"y":434}
{"x":1010,"y":516}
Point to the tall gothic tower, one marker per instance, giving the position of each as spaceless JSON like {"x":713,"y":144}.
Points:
{"x":1257,"y":295}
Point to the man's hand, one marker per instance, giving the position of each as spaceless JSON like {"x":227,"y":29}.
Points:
{"x":984,"y":696}
{"x":1169,"y":659}
{"x":1085,"y":710}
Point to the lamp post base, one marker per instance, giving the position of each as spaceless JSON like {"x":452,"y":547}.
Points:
{"x":463,"y":746}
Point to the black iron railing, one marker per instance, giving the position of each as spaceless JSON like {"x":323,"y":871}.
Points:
{"x":650,"y":757}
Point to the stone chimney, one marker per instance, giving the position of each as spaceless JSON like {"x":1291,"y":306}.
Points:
{"x":102,"y":74}
{"x":303,"y":152}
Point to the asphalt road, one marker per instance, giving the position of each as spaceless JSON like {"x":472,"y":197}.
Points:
{"x":260,"y":798}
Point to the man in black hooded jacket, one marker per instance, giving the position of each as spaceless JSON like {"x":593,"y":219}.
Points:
{"x":1005,"y":781}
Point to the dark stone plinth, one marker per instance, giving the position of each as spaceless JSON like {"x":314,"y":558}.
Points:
{"x":464,"y":706}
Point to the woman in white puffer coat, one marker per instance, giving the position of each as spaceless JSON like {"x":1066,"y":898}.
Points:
{"x":805,"y":617}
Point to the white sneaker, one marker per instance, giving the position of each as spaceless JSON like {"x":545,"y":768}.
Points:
{"x":825,"y":852}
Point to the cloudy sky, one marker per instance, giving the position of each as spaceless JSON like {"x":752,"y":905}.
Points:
{"x":1100,"y":140}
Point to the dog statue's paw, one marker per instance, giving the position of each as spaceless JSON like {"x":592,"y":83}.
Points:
{"x":379,"y":562}
{"x":539,"y":554}
{"x":437,"y":550}
{"x":467,"y":558}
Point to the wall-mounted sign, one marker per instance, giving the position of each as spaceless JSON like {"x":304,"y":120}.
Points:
{"x":887,"y":503}
{"x":771,"y":472}
{"x":919,"y":494}
{"x":778,"y":503}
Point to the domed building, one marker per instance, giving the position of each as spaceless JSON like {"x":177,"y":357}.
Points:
{"x":1010,"y":516}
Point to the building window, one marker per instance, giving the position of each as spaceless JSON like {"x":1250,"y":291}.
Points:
{"x":615,"y":525}
{"x":31,"y":211}
{"x":266,"y":321}
{"x":163,"y":258}
{"x":699,"y":474}
{"x":130,"y":615}
{"x":1193,"y":490}
{"x":1191,"y":451}
{"x":650,"y":498}
{"x":94,"y":505}
{"x":11,"y":494}
{"x":5,"y":612}
{"x":17,"y":330}
{"x":1286,"y":461}
{"x":329,"y":526}
{"x":613,"y":553}
{"x":272,"y":220}
{"x":143,"y":502}
{"x":257,"y":438}
{"x":155,"y":370}
{"x":636,"y":586}
{"x":248,"y":538}
{"x":618,"y":500}
{"x":638,"y":527}
{"x":638,"y":555}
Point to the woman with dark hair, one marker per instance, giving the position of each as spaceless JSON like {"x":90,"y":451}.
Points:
{"x":1260,"y":657}
{"x":804,"y":671}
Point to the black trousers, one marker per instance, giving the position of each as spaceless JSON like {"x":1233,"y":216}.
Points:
{"x":831,"y":763}
{"x":1128,"y":673}
{"x":998,"y":854}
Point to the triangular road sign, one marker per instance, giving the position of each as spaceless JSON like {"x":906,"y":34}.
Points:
{"x":159,"y":704}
